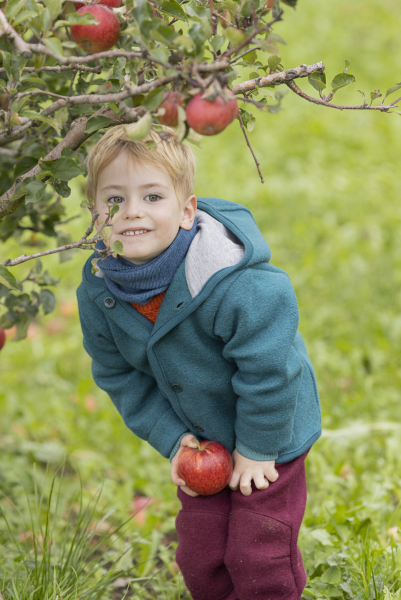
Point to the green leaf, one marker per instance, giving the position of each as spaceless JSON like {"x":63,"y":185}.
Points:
{"x":291,"y":3}
{"x":76,"y":19}
{"x":95,"y":123}
{"x":54,"y":7}
{"x":31,"y":114}
{"x":374,"y":95}
{"x":54,"y":45}
{"x":171,"y":7}
{"x":118,"y":67}
{"x":331,"y":575}
{"x":22,"y":327}
{"x":7,"y":62}
{"x":118,"y":247}
{"x":393,"y":89}
{"x":234,"y":35}
{"x":317,"y":81}
{"x":63,"y":168}
{"x":154,"y":99}
{"x":9,"y":277}
{"x":217,"y":42}
{"x":20,"y":190}
{"x":114,"y":210}
{"x":161,"y":54}
{"x":274,"y":62}
{"x":47,"y":300}
{"x":276,"y":39}
{"x":62,"y":188}
{"x":341,"y":80}
{"x":12,"y":8}
{"x":35,"y":192}
{"x":185,"y":42}
{"x":139,"y":130}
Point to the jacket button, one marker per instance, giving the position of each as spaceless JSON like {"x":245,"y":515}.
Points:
{"x":109,"y":302}
{"x":198,"y":428}
{"x":176,"y":388}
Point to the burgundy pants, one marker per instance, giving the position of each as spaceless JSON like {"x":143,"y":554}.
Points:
{"x":245,"y":547}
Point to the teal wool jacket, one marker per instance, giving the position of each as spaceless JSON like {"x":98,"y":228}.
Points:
{"x":224,"y":360}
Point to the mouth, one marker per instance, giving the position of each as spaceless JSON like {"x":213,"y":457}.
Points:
{"x":134,"y":232}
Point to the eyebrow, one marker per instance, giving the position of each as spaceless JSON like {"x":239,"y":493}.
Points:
{"x":144,"y":187}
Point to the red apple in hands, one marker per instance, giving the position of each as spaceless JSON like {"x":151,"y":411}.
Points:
{"x":206,"y":469}
{"x":2,"y":338}
{"x":210,"y":117}
{"x":111,"y":3}
{"x":170,"y":102}
{"x":99,"y":37}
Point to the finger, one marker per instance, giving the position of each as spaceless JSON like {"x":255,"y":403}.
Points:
{"x":271,"y":474}
{"x":174,"y":476}
{"x":234,"y":481}
{"x":189,"y":441}
{"x":260,"y":480}
{"x":188,"y":491}
{"x":245,"y":484}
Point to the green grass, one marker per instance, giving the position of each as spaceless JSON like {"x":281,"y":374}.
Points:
{"x":330,"y":211}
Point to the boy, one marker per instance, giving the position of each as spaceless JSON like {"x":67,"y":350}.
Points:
{"x":193,"y":333}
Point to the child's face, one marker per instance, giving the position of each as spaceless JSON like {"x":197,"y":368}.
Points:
{"x":148,"y":205}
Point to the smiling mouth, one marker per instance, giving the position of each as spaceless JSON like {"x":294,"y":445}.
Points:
{"x":134,"y":233}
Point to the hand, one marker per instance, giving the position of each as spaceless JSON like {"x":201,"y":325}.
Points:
{"x":246,"y":469}
{"x":189,"y":441}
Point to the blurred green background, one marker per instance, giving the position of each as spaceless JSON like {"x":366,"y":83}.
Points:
{"x":330,"y":211}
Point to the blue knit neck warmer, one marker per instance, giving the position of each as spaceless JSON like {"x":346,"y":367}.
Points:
{"x":139,"y":283}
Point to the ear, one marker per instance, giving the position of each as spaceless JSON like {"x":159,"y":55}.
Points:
{"x":189,"y":212}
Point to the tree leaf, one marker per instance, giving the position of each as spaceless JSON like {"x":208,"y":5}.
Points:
{"x":54,"y":7}
{"x":274,"y":62}
{"x":54,"y":45}
{"x":317,"y":81}
{"x":12,"y":8}
{"x":63,"y":168}
{"x":47,"y":300}
{"x":35,"y":192}
{"x":171,"y":7}
{"x":95,"y":123}
{"x":32,"y":114}
{"x":62,"y":188}
{"x":341,"y":80}
{"x":154,"y":99}
{"x":393,"y":89}
{"x":9,"y":277}
{"x":118,"y":247}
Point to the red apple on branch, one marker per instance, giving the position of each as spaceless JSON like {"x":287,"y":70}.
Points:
{"x":209,"y":117}
{"x":99,"y":37}
{"x":170,"y":102}
{"x":206,"y":469}
{"x":111,"y":3}
{"x":2,"y":338}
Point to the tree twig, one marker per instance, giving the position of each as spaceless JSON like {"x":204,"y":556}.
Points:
{"x":278,"y":78}
{"x":6,"y":29}
{"x":250,"y":147}
{"x":83,"y":243}
{"x":59,"y":68}
{"x":385,"y":108}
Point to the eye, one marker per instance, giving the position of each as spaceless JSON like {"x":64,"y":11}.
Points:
{"x":115,"y":200}
{"x":153,"y":197}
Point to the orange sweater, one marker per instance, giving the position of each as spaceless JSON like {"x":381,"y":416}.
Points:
{"x":151,"y":308}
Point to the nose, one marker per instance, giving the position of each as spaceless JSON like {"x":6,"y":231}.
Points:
{"x":132,"y":209}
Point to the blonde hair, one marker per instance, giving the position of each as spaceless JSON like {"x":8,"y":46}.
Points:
{"x":165,"y":152}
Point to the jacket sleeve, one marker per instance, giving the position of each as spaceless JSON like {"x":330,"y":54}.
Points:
{"x":135,"y":394}
{"x":258,"y":320}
